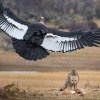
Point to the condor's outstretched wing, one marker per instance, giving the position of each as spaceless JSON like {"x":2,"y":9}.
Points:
{"x":59,"y":41}
{"x":11,"y":24}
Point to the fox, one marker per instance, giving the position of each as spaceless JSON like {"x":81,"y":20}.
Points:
{"x":71,"y":81}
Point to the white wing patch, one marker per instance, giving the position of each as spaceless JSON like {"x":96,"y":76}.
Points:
{"x":58,"y":44}
{"x":18,"y":25}
{"x":59,"y":38}
{"x":12,"y":28}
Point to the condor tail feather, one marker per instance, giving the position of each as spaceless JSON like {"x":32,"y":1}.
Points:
{"x":28,"y":50}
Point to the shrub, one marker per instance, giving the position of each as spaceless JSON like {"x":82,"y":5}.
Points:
{"x":12,"y":90}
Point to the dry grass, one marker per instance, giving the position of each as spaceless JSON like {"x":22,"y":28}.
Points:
{"x":45,"y":86}
{"x":88,"y":58}
{"x":53,"y":70}
{"x":52,"y":79}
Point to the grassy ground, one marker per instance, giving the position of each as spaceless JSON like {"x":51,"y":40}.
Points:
{"x":53,"y":70}
{"x":45,"y":86}
{"x":88,"y":58}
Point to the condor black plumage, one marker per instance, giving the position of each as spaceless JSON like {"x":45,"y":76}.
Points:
{"x":31,"y":41}
{"x":28,"y":50}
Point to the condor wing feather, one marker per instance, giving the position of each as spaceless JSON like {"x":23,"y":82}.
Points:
{"x":11,"y":24}
{"x":59,"y":41}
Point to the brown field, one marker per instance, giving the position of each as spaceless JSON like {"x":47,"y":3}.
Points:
{"x":45,"y":86}
{"x":84,"y":59}
{"x":52,"y":70}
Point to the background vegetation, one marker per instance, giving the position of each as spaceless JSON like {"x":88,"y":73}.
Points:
{"x":56,"y":9}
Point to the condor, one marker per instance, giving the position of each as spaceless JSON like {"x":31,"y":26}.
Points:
{"x":31,"y":41}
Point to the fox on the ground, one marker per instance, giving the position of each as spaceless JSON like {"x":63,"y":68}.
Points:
{"x":71,"y":81}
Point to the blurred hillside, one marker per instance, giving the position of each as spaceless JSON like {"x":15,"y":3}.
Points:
{"x":64,"y":14}
{"x":58,"y":12}
{"x":56,"y":9}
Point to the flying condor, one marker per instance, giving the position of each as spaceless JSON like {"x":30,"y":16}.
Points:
{"x":31,"y":41}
